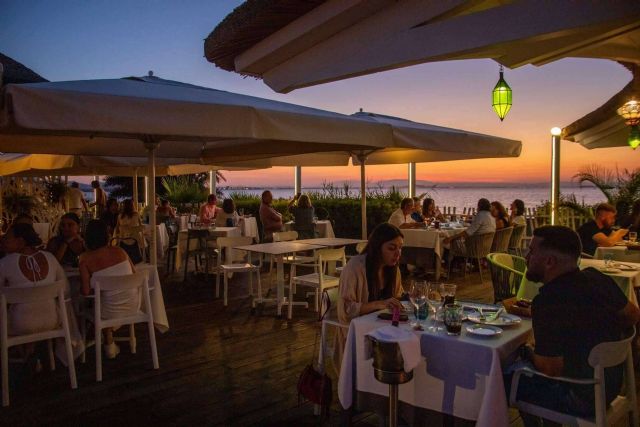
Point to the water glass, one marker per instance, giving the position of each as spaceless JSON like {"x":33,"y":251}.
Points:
{"x":447,"y":293}
{"x":241,"y":211}
{"x":315,"y":219}
{"x":633,"y":236}
{"x":608,"y":258}
{"x":434,"y":300}
{"x":453,"y":319}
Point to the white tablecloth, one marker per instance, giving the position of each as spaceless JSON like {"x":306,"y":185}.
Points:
{"x":428,"y":238}
{"x":249,"y":227}
{"x":160,"y":319}
{"x":162,"y":238}
{"x":215,"y":232}
{"x":627,"y":281}
{"x":461,"y":375}
{"x":620,"y":253}
{"x":323,"y":228}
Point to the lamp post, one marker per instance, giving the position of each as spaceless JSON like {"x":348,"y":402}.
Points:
{"x":555,"y":173}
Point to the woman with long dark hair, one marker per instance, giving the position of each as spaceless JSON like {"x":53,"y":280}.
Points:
{"x":68,"y":244}
{"x":370,"y":281}
{"x":500,"y":214}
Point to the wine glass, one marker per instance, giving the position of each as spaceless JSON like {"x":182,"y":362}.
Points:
{"x":608,"y":259}
{"x":417,"y":296}
{"x":434,"y":301}
{"x":633,"y":236}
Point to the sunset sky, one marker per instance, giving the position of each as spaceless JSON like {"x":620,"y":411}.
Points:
{"x":72,"y":40}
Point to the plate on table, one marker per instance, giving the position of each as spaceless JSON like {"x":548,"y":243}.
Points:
{"x":505,"y":319}
{"x":610,"y":270}
{"x":484,"y":330}
{"x":624,"y":267}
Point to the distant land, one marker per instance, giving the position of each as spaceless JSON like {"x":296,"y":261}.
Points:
{"x":426,"y":184}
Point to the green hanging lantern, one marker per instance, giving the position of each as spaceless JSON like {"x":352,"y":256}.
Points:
{"x":634,"y":137}
{"x":502,"y":97}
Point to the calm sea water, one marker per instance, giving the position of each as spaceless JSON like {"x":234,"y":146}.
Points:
{"x":462,"y":197}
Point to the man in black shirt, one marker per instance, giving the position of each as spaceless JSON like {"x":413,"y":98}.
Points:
{"x":574,"y":311}
{"x":597,"y":232}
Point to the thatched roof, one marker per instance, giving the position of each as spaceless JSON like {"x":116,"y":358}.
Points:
{"x":609,"y":109}
{"x":15,"y":72}
{"x":250,"y":23}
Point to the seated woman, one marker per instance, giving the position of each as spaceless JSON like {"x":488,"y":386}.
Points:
{"x":303,"y":214}
{"x":164,"y":212}
{"x":517,"y":213}
{"x":110,"y":215}
{"x":500,"y":214}
{"x":370,"y":281}
{"x":430,"y":212}
{"x":101,"y":259}
{"x":209,"y":210}
{"x":127,"y":229}
{"x":227,"y":217}
{"x":68,"y":245}
{"x":26,"y":266}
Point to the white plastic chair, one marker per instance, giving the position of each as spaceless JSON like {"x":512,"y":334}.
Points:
{"x":33,"y":294}
{"x":320,"y":279}
{"x":139,"y":281}
{"x":359,"y":248}
{"x":329,"y":317}
{"x":602,"y":356}
{"x":235,"y":261}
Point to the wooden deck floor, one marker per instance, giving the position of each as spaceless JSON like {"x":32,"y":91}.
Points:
{"x":218,"y":366}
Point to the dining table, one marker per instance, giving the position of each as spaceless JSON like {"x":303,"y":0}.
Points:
{"x":457,"y":375}
{"x":623,"y":251}
{"x":625,"y":274}
{"x":430,"y":239}
{"x":213,"y":233}
{"x":279,"y":250}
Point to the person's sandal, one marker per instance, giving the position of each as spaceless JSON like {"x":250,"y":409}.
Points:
{"x":111,"y":350}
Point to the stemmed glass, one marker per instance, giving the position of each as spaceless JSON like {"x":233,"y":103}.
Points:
{"x":434,"y":301}
{"x":418,"y":298}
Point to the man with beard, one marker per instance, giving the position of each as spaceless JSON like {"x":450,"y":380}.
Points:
{"x":574,"y":311}
{"x":598,"y":232}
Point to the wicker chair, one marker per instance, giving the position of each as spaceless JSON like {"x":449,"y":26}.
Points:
{"x":507,"y":272}
{"x":515,"y":243}
{"x":476,"y":247}
{"x":501,"y":240}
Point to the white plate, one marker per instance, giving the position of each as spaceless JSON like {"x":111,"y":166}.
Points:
{"x":505,"y":319}
{"x":624,"y":267}
{"x":610,"y":270}
{"x":484,"y":330}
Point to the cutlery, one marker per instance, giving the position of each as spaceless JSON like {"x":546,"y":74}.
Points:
{"x":497,"y":314}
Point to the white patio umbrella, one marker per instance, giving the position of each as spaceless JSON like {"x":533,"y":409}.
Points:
{"x":302,"y":43}
{"x":413,"y":142}
{"x":152,"y":117}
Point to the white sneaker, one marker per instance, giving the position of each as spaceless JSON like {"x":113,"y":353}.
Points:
{"x":111,"y":350}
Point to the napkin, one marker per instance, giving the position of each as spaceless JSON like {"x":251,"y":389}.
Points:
{"x":409,"y":344}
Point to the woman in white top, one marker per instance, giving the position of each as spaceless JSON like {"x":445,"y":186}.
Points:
{"x":104,"y":260}
{"x":26,"y":266}
{"x":227,"y":217}
{"x":483,"y":222}
{"x":517,"y":213}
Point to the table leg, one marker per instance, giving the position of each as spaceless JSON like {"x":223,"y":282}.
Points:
{"x":279,"y":283}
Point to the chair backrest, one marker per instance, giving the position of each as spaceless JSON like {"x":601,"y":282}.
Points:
{"x":506,"y":274}
{"x":479,"y":245}
{"x":360,"y":247}
{"x":326,"y":256}
{"x":30,"y":294}
{"x":501,"y":240}
{"x":329,"y":301}
{"x":226,"y":245}
{"x":611,"y":353}
{"x":119,"y":283}
{"x":285,"y":236}
{"x":516,"y":236}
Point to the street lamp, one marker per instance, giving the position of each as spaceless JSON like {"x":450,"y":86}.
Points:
{"x":555,"y":173}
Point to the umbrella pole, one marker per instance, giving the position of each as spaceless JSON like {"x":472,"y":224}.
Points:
{"x":212,"y":182}
{"x":363,"y":195}
{"x":412,"y":179}
{"x":151,"y":146}
{"x":297,"y":180}
{"x":136,"y":198}
{"x":555,"y":175}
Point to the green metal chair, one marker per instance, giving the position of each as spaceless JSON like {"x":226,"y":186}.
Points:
{"x":507,"y":272}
